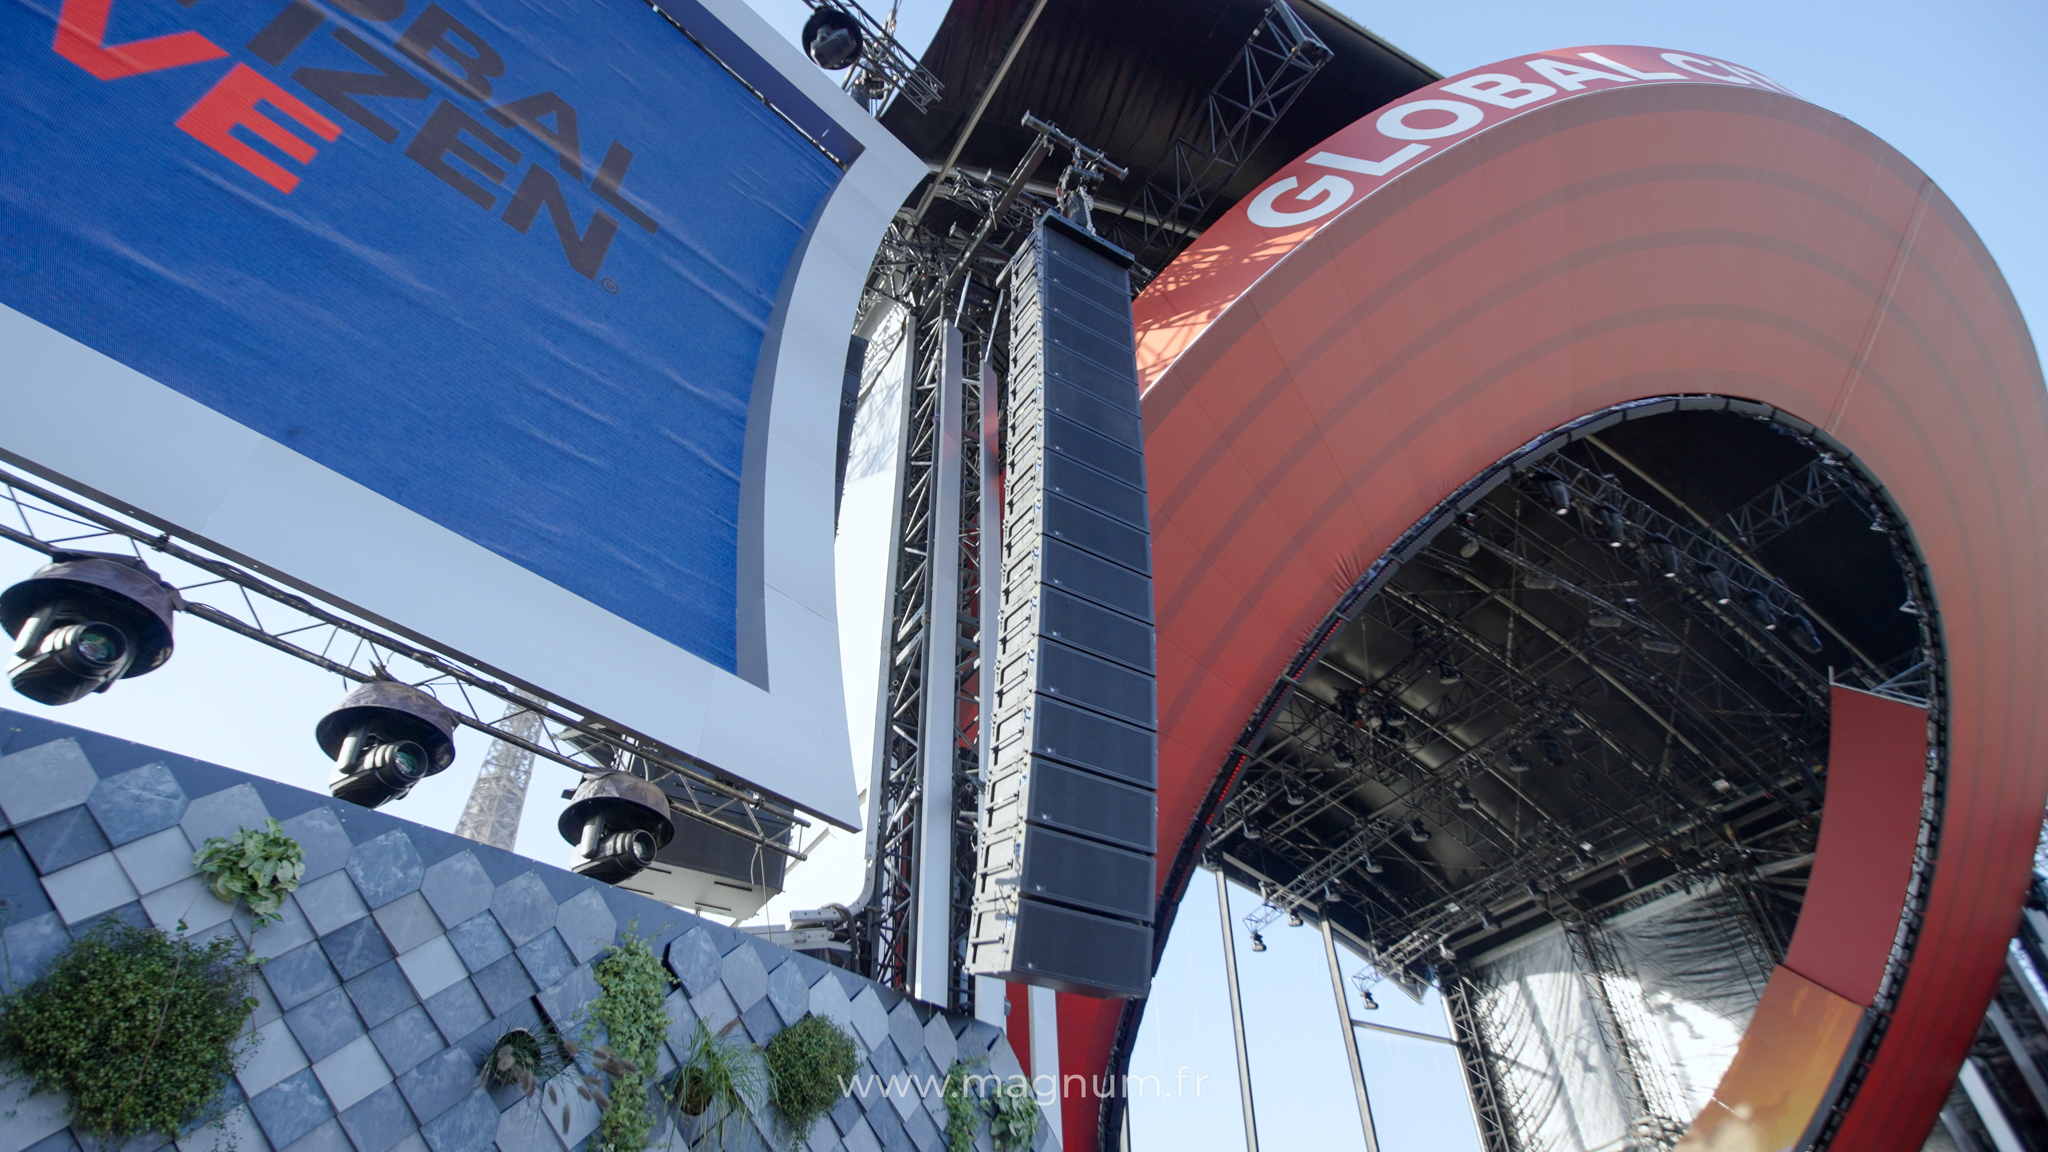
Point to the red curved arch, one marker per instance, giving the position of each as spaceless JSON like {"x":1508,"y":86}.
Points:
{"x":1313,"y":394}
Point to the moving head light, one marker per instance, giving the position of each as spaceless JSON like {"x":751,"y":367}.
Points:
{"x":833,"y":39}
{"x":84,"y":621}
{"x":618,"y":821}
{"x":385,"y":737}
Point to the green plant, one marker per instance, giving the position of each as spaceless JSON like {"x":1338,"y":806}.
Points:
{"x":523,"y":1058}
{"x":262,"y":866}
{"x":963,"y":1112}
{"x":720,"y":1078}
{"x":634,"y":1019}
{"x":137,"y":1027}
{"x":1013,"y":1116}
{"x":809,"y":1065}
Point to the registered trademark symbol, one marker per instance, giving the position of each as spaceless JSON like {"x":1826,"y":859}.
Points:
{"x":610,"y":285}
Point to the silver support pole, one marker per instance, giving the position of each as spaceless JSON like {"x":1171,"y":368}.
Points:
{"x":1244,"y":1060}
{"x":1344,"y":1025}
{"x":932,"y":962}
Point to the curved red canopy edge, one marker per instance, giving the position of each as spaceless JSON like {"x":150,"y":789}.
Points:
{"x":1681,"y":226}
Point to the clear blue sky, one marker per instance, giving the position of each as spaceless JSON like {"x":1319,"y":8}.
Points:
{"x":1952,"y":86}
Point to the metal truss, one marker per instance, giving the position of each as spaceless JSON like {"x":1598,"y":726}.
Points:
{"x":1824,"y":482}
{"x":1652,"y":1100}
{"x":886,"y":67}
{"x":520,"y":717}
{"x":492,"y":814}
{"x":1485,"y":1079}
{"x":1270,"y":72}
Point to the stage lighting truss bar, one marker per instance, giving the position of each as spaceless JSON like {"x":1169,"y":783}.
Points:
{"x":1813,"y":489}
{"x":357,"y":652}
{"x":1485,"y":1081}
{"x":1270,"y":72}
{"x":883,"y":59}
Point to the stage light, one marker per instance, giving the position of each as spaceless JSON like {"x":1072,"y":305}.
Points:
{"x":1760,"y":607}
{"x":1293,"y":918}
{"x":1664,"y":647}
{"x":1448,"y":673}
{"x":1258,"y":942}
{"x":1557,"y":494}
{"x":1371,"y":866}
{"x":1251,"y":831}
{"x":1912,"y":605}
{"x":1466,"y":799}
{"x":1329,"y":893}
{"x":384,"y":737}
{"x":1804,"y":635}
{"x":1614,"y":522}
{"x":1392,"y":721}
{"x":1487,"y":921}
{"x":1664,"y":554}
{"x":1469,"y":548}
{"x":85,"y":620}
{"x":618,"y":822}
{"x":1716,"y":582}
{"x":833,"y":39}
{"x":1366,"y":1002}
{"x":1518,"y":761}
{"x":1343,"y":755}
{"x":1583,"y":855}
{"x":1443,"y":948}
{"x":1417,"y":832}
{"x":1294,"y":798}
{"x":1551,"y":747}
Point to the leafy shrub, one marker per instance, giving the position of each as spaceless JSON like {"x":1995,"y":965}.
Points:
{"x":261,"y":866}
{"x":1013,"y":1116}
{"x":719,"y":1079}
{"x":137,"y":1027}
{"x":809,"y":1065}
{"x":635,"y":1020}
{"x":963,"y":1111}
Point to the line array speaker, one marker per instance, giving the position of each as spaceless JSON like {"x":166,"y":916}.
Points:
{"x":1065,"y":882}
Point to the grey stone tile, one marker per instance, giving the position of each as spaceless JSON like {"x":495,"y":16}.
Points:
{"x":62,"y":1141}
{"x":266,"y":1001}
{"x":30,"y":1118}
{"x":439,"y":1082}
{"x":381,"y":993}
{"x":31,"y":945}
{"x":888,"y":1125}
{"x":189,"y":901}
{"x":524,"y":908}
{"x":845,"y":1114}
{"x":273,"y":1055}
{"x":20,"y":886}
{"x":471,"y":1126}
{"x":298,"y":976}
{"x":786,"y":991}
{"x":682,"y":1022}
{"x":331,"y":901}
{"x":884,"y":1060}
{"x":131,"y":913}
{"x":939,"y":1042}
{"x":328,"y":1137}
{"x":236,"y":1129}
{"x":61,"y":839}
{"x":406,"y":1039}
{"x":408,"y":922}
{"x":457,"y":1010}
{"x":432,"y":966}
{"x":924,"y":1135}
{"x":479,"y":941}
{"x":457,"y":888}
{"x":567,"y":1003}
{"x":35,"y":782}
{"x":318,"y":831}
{"x":547,"y":959}
{"x":291,"y":1108}
{"x":586,"y":924}
{"x":352,"y":1072}
{"x":715,"y":1008}
{"x":760,"y":1021}
{"x":324,"y":1024}
{"x":276,"y":937}
{"x":385,"y":868}
{"x":906,"y":1029}
{"x":860,"y":1139}
{"x":89,"y":888}
{"x":828,"y":999}
{"x":356,"y":948}
{"x":378,"y":1120}
{"x":503,"y":985}
{"x":522,"y":1128}
{"x":223,"y":814}
{"x":412,"y":1143}
{"x":135,"y":804}
{"x":870,"y":1022}
{"x":157,"y":860}
{"x":694,"y":958}
{"x":745,"y":979}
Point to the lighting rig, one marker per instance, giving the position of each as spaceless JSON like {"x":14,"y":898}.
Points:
{"x":841,"y":36}
{"x":92,"y":618}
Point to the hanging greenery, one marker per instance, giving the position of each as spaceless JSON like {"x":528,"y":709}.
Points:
{"x":810,"y":1063}
{"x":1013,"y":1116}
{"x":261,"y":866}
{"x":719,"y":1080}
{"x":634,"y":1019}
{"x":137,"y":1027}
{"x":524,"y":1058}
{"x":963,"y":1108}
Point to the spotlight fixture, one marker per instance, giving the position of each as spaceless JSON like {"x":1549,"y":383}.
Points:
{"x":1329,"y":892}
{"x":1371,"y":866}
{"x":1662,"y":647}
{"x":1258,"y":942}
{"x":1294,"y":799}
{"x":1417,"y":832}
{"x":85,"y":620}
{"x":1443,"y":948}
{"x":1583,"y":855}
{"x":833,"y":39}
{"x":1366,"y":1002}
{"x":1343,"y":755}
{"x":1804,"y":636}
{"x":1760,"y":607}
{"x":1551,"y":747}
{"x":1466,"y":799}
{"x":1448,"y":673}
{"x":1251,"y":831}
{"x":1557,"y":495}
{"x":1392,"y":721}
{"x":1518,"y":761}
{"x":1716,"y":582}
{"x":1664,"y":554}
{"x":1876,"y":522}
{"x":1469,"y":548}
{"x":384,"y":737}
{"x":1293,"y":918}
{"x":618,"y":822}
{"x":1487,"y":921}
{"x":1615,"y":524}
{"x":1912,"y":605}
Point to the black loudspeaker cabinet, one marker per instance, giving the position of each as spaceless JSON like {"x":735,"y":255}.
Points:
{"x":1065,"y":881}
